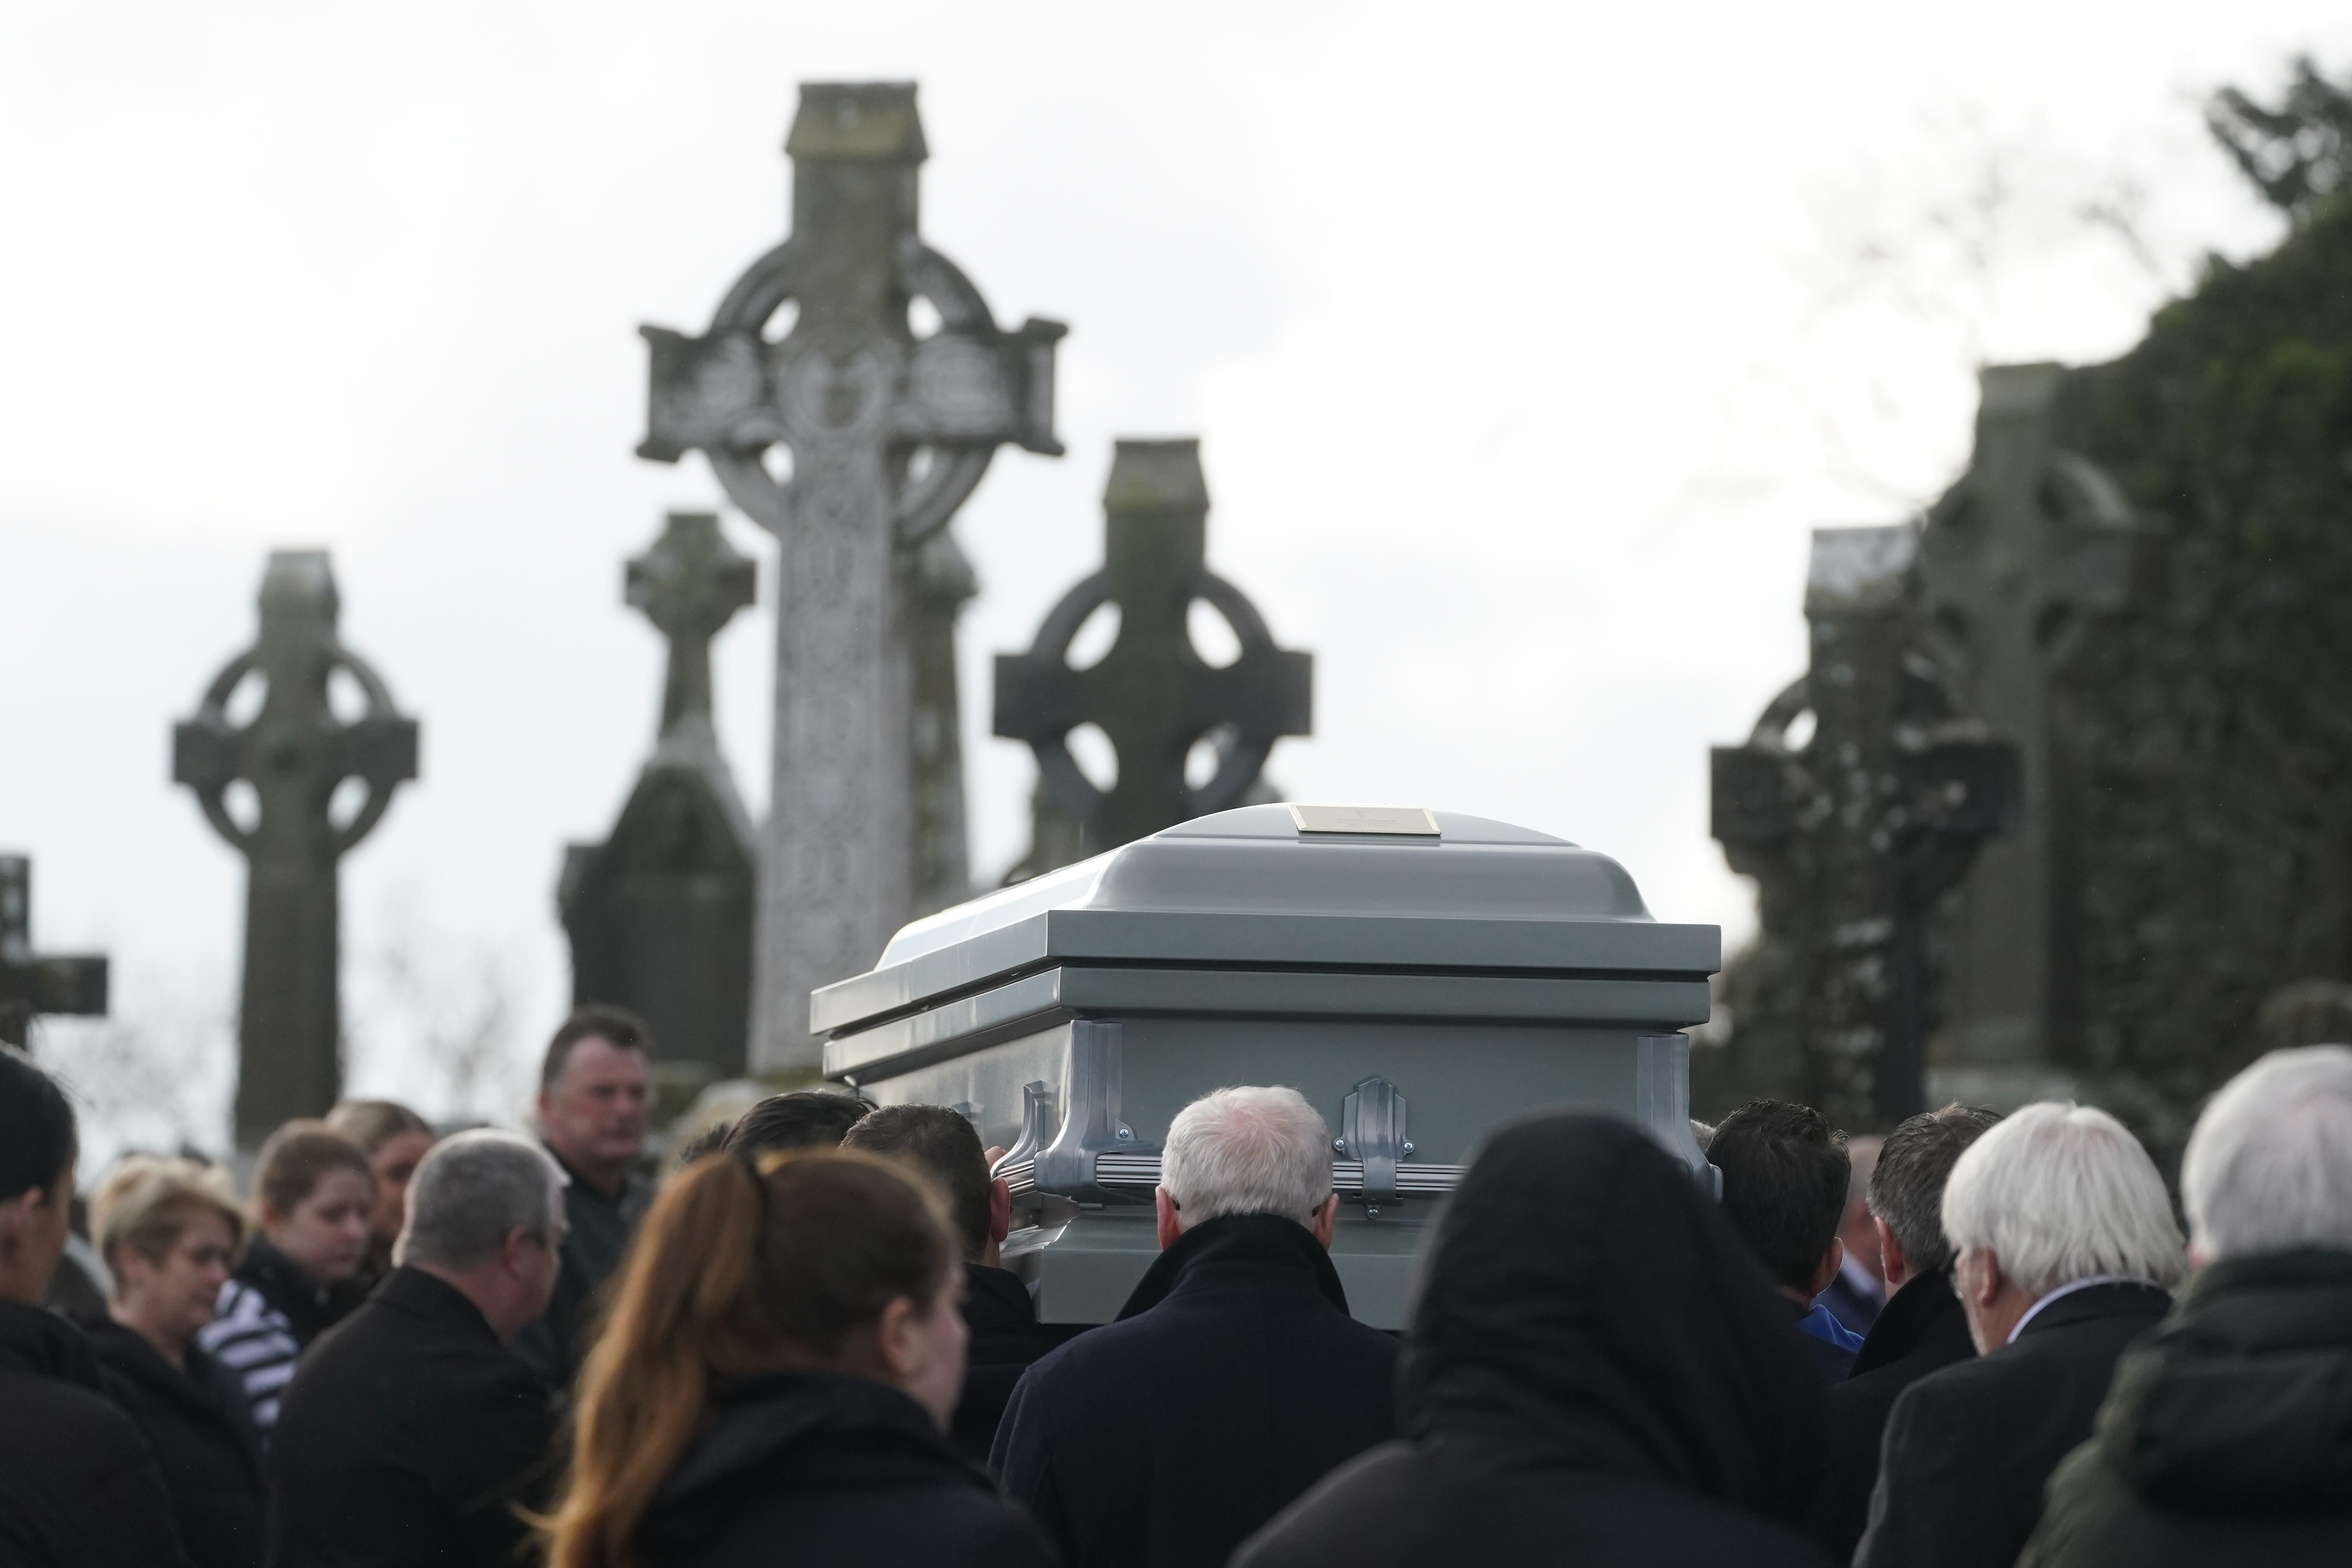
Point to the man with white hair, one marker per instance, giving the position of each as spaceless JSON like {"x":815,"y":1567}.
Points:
{"x":2064,"y":1248}
{"x":1233,"y":1379}
{"x":2223,"y":1440}
{"x":411,"y":1432}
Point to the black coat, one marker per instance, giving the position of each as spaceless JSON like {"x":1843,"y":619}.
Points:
{"x":819,"y":1469}
{"x":79,"y":1485}
{"x":407,"y":1437}
{"x":598,"y":1225}
{"x":202,"y":1433}
{"x":1233,"y":1379}
{"x":1921,"y":1330}
{"x":1597,"y":1373}
{"x":1005,"y":1338}
{"x":2223,"y":1438}
{"x":1968,"y":1449}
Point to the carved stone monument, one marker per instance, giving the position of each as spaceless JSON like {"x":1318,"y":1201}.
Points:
{"x":1854,"y":830}
{"x":943,"y":585}
{"x":852,"y":441}
{"x":294,"y":754}
{"x":32,"y":982}
{"x":1152,"y":693}
{"x":659,"y":915}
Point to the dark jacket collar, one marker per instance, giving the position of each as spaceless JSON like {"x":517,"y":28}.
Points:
{"x":634,"y":1186}
{"x":1919,"y":1306}
{"x":310,"y":1307}
{"x":1262,"y":1252}
{"x":995,"y":1299}
{"x":39,"y":1343}
{"x":418,"y":1294}
{"x":2123,"y":1299}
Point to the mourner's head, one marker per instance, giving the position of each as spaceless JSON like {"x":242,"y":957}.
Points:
{"x":485,"y":1212}
{"x":804,"y":1119}
{"x":394,"y":1139}
{"x":816,"y":1260}
{"x":168,"y":1230}
{"x":593,"y":1089}
{"x":1248,"y":1151}
{"x":2270,"y":1166}
{"x":37,"y":1149}
{"x":1785,"y":1174}
{"x":948,"y":1149}
{"x":315,"y":1196}
{"x":1906,"y":1190}
{"x":2055,"y":1193}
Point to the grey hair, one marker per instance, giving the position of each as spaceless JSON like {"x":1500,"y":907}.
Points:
{"x":473,"y":1189}
{"x":2270,"y":1164}
{"x":1247,"y":1151}
{"x":2060,"y":1192}
{"x":1907,"y":1186}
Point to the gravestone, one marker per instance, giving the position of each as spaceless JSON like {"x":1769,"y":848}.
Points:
{"x":943,"y":582}
{"x":1854,"y":830}
{"x":294,"y":754}
{"x":1152,"y":694}
{"x":854,"y":441}
{"x":2019,"y":560}
{"x":659,"y":915}
{"x":34,"y":983}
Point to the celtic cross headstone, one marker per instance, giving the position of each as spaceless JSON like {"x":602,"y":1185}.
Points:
{"x":34,"y":983}
{"x":1854,"y":829}
{"x":852,"y":441}
{"x":659,"y":915}
{"x":294,"y":754}
{"x":1152,"y":694}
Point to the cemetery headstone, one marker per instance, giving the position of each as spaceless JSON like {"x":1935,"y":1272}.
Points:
{"x":853,"y":439}
{"x":943,"y":583}
{"x":1854,"y":830}
{"x":31,"y":983}
{"x":293,"y":755}
{"x":1152,"y":694}
{"x":659,"y":915}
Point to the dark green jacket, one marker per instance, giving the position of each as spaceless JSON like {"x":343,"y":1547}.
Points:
{"x":2227,"y":1437}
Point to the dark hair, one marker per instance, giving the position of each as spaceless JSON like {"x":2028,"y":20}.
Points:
{"x":712,"y":1139}
{"x":296,"y":1157}
{"x":596,"y":1021}
{"x":1907,"y":1191}
{"x":372,"y":1123}
{"x":1784,"y":1181}
{"x":804,"y":1119}
{"x":737,"y":1270}
{"x":944,"y":1144}
{"x":37,"y":1141}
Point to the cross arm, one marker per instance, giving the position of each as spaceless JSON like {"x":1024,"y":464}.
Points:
{"x":74,"y":984}
{"x":1270,"y":691}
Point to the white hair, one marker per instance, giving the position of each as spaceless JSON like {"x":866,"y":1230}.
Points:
{"x":2270,"y":1166}
{"x":2060,"y":1192}
{"x":470,"y":1191}
{"x":1247,"y":1151}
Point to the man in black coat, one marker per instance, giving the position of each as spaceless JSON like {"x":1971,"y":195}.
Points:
{"x":2064,"y":1243}
{"x":1921,"y":1329}
{"x":1234,"y":1378}
{"x":997,"y":1311}
{"x":410,"y":1436}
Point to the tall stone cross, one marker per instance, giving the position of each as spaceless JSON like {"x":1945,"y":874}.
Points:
{"x":31,"y":983}
{"x":2020,"y":559}
{"x":1152,"y":693}
{"x":1853,"y":831}
{"x":294,"y":753}
{"x":854,"y":441}
{"x":659,"y":915}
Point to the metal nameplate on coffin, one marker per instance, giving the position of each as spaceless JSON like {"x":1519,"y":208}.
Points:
{"x":1399,"y":821}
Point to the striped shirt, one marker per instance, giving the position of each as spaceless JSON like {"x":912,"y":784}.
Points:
{"x":256,"y":1342}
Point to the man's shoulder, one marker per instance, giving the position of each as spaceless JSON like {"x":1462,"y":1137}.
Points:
{"x":54,"y":1425}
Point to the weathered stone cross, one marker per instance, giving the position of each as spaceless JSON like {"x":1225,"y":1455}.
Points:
{"x":1152,"y":693}
{"x":294,"y":753}
{"x":1851,"y":833}
{"x":887,"y":434}
{"x":30,"y":983}
{"x":690,"y":584}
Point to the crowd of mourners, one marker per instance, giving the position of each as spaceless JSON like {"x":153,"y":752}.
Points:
{"x":1981,"y":1341}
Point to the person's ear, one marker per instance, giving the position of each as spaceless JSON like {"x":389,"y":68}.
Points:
{"x":1326,"y":1221}
{"x":1891,"y":1261}
{"x":511,"y":1251}
{"x":1172,"y":1224}
{"x":1976,"y":1278}
{"x":1000,"y":1209}
{"x":898,"y":1338}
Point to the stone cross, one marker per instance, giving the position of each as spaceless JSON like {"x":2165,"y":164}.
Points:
{"x":294,"y":753}
{"x":854,"y":441}
{"x":2019,"y":560}
{"x":1152,"y":694}
{"x":31,"y":983}
{"x":1853,"y":831}
{"x":659,"y":915}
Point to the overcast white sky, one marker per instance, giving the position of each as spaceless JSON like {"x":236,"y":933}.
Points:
{"x":1526,"y":343}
